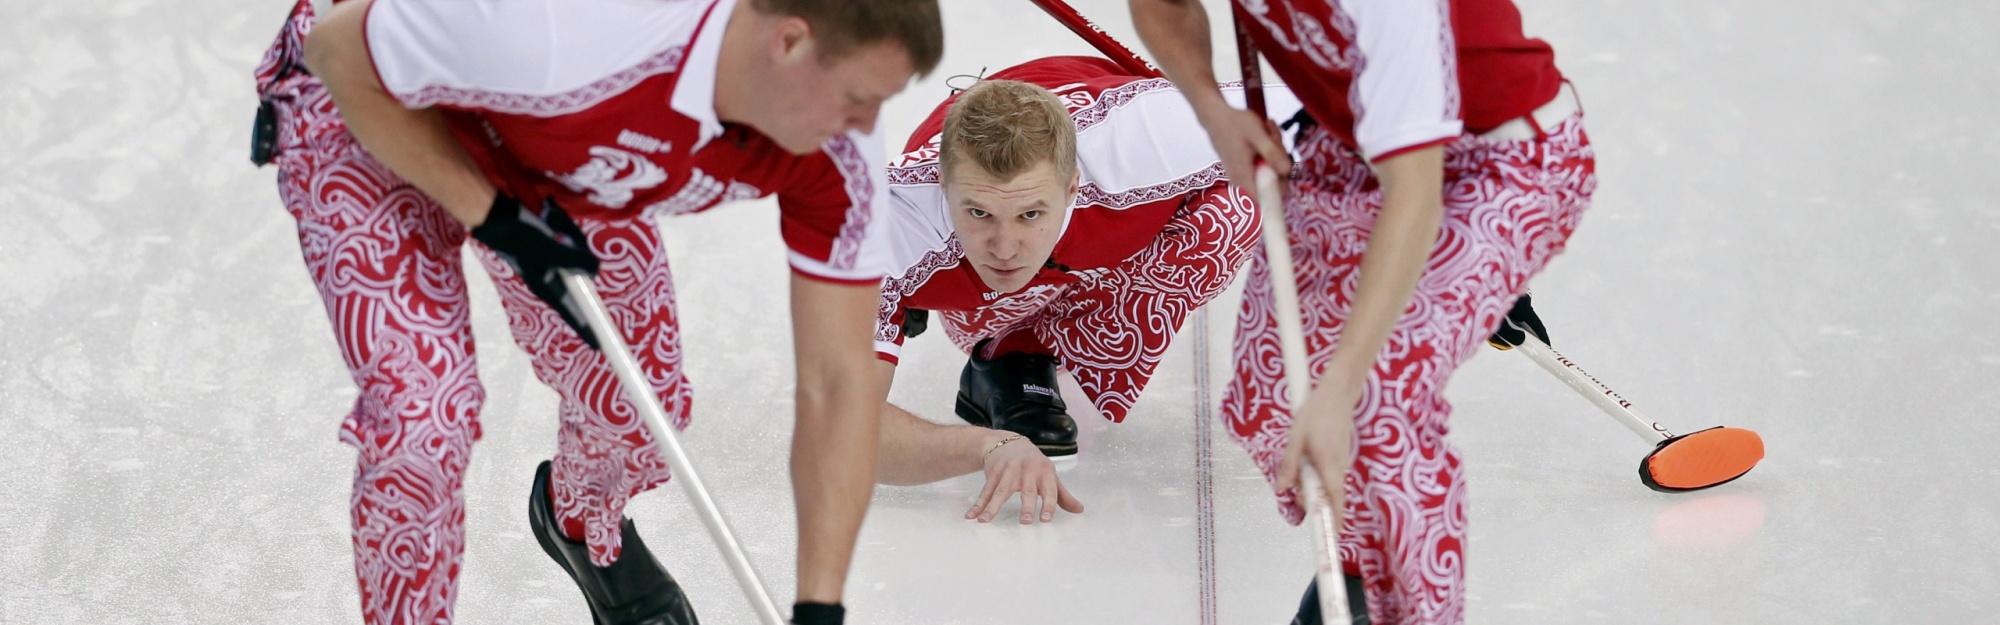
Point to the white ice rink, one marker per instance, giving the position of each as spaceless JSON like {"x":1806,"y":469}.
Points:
{"x":1796,"y":232}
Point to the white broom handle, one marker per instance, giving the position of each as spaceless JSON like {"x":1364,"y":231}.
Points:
{"x":641,"y":393}
{"x":1587,"y":385}
{"x":1321,"y":519}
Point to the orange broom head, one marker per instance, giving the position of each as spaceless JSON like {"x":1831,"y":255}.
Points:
{"x":1701,"y":460}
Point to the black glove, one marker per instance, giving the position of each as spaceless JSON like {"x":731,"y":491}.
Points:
{"x":915,"y":321}
{"x":539,"y":248}
{"x":1522,"y":317}
{"x":818,"y":614}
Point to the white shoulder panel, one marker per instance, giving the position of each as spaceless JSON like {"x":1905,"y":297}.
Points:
{"x":1406,"y":84}
{"x":1149,"y":146}
{"x":919,"y":231}
{"x":541,"y":57}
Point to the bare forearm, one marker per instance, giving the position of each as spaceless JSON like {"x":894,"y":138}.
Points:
{"x":915,"y":451}
{"x":834,"y":442}
{"x":416,"y":144}
{"x":833,"y":452}
{"x":1398,"y":249}
{"x":1175,"y":32}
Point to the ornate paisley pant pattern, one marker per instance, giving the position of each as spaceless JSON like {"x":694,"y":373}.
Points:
{"x":1509,"y":206}
{"x":386,"y":260}
{"x":1111,"y":328}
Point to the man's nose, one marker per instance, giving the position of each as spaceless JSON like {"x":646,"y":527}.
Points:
{"x":862,"y":118}
{"x":1006,"y":246}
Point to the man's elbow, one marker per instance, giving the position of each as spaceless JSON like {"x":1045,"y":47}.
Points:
{"x":321,"y":50}
{"x":829,"y":388}
{"x":333,"y":46}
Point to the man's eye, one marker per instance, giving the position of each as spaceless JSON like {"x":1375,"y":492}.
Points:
{"x":1031,"y":215}
{"x":977,"y":214}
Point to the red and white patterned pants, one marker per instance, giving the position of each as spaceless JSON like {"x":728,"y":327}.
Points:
{"x":386,"y":260}
{"x":1509,"y":206}
{"x":1110,"y":328}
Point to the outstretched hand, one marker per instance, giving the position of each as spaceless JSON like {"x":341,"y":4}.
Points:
{"x":1018,"y":467}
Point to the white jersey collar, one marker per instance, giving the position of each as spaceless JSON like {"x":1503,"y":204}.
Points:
{"x":1073,"y":207}
{"x":694,"y":90}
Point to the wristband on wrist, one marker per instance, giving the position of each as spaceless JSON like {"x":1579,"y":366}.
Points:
{"x":804,"y":613}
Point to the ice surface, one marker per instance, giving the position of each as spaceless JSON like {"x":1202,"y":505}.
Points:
{"x":1795,"y":233}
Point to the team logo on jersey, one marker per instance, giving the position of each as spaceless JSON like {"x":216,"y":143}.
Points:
{"x":612,"y":176}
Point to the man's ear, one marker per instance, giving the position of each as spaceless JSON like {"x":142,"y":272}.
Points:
{"x":791,"y":38}
{"x":1075,"y":182}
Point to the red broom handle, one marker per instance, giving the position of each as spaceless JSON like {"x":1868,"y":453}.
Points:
{"x":1117,"y":52}
{"x":1246,"y":59}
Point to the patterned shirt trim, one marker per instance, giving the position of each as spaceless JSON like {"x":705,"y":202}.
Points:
{"x":1091,"y":195}
{"x":552,"y":105}
{"x":896,"y":288}
{"x":860,"y":209}
{"x":1448,"y":48}
{"x":923,"y":173}
{"x":1113,"y":98}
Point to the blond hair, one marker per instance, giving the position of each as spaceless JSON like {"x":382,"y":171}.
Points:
{"x":1006,"y":127}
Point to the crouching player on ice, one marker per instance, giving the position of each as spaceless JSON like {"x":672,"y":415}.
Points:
{"x":1061,"y":213}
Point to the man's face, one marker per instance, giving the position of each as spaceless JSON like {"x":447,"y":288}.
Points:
{"x":813,"y":100}
{"x":1008,"y":227}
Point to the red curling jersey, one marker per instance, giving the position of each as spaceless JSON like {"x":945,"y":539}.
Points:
{"x":608,"y":108}
{"x":1140,"y":152}
{"x":1390,"y":76}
